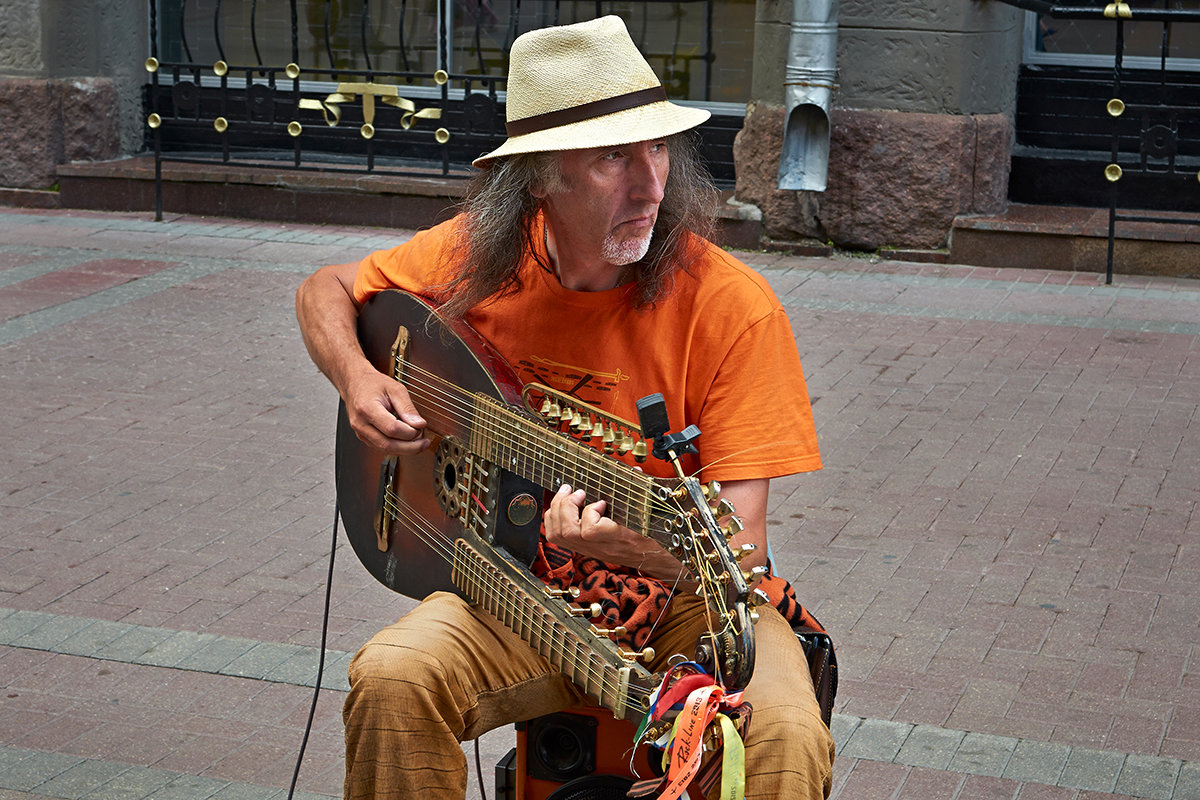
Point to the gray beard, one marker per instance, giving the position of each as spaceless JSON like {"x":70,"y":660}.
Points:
{"x":627,"y":252}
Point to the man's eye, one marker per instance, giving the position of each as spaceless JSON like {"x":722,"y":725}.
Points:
{"x":613,"y":156}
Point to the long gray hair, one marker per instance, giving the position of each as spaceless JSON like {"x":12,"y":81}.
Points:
{"x":500,"y":211}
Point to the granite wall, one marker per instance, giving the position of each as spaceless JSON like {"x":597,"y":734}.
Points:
{"x":69,"y":87}
{"x":920,"y":129}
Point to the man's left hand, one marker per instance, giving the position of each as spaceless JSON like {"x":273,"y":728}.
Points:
{"x":577,"y":525}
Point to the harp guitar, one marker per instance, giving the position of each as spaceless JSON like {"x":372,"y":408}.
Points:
{"x":465,"y":514}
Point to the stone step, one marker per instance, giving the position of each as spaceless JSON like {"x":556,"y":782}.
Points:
{"x":1076,"y":239}
{"x":271,"y":192}
{"x":1025,"y":236}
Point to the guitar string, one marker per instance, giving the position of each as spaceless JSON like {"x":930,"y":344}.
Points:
{"x":451,"y":395}
{"x":466,"y":406}
{"x":581,"y":669}
{"x":440,"y":544}
{"x":459,"y":406}
{"x":454,"y":396}
{"x":418,"y":525}
{"x":714,"y":599}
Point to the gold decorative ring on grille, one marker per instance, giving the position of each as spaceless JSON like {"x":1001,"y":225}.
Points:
{"x":220,"y":68}
{"x":221,"y":124}
{"x":441,"y":135}
{"x":294,"y":128}
{"x":1113,"y":173}
{"x":1115,"y":107}
{"x":152,"y":64}
{"x":154,"y":120}
{"x":292,"y":71}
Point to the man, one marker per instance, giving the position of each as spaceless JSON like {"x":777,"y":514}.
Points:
{"x":578,"y":256}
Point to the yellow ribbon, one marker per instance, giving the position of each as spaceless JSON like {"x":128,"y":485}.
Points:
{"x":733,"y":761}
{"x":331,"y":109}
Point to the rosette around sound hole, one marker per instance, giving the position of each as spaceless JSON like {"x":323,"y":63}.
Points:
{"x":449,"y":464}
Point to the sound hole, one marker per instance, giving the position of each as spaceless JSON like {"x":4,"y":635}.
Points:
{"x":448,"y":464}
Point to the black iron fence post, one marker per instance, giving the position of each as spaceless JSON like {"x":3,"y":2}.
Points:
{"x":1158,"y":142}
{"x":386,"y":88}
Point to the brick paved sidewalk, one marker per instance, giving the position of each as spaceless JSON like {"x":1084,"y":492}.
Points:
{"x":1003,"y":541}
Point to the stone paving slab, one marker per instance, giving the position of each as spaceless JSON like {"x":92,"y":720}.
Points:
{"x":920,"y":747}
{"x":1002,"y":540}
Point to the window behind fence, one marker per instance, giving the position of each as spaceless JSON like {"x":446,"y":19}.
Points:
{"x":408,"y":86}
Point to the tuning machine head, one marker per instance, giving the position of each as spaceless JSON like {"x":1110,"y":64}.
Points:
{"x":733,"y":527}
{"x":744,"y":550}
{"x":645,"y":655}
{"x":590,"y":611}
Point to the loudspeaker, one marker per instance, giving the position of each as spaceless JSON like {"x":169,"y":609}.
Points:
{"x":582,"y":754}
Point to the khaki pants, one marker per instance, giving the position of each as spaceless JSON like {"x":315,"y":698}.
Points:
{"x":446,"y":673}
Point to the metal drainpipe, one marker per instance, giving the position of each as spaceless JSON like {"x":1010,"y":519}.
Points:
{"x":808,"y":89}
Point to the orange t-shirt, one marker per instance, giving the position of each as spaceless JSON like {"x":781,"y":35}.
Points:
{"x":718,"y":347}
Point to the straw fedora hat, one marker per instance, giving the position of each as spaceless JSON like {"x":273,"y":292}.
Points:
{"x":584,"y":85}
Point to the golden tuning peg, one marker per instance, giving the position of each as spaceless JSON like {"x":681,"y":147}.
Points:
{"x":573,"y":592}
{"x":655,"y":730}
{"x":753,"y":573}
{"x":711,"y":490}
{"x":759,"y":597}
{"x":617,"y":631}
{"x":733,"y":527}
{"x":593,"y":610}
{"x":754,"y":616}
{"x":723,"y":508}
{"x":646,"y":655}
{"x":745,"y":550}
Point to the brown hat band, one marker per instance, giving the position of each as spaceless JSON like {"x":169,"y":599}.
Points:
{"x":596,"y":108}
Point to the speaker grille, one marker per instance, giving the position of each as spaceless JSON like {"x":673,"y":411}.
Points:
{"x":593,"y":787}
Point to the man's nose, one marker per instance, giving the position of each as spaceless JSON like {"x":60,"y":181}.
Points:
{"x":649,"y":176}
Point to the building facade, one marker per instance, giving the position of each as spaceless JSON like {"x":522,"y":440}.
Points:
{"x":921,"y":124}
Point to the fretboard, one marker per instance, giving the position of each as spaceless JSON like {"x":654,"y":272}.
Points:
{"x":548,"y":458}
{"x":596,"y":667}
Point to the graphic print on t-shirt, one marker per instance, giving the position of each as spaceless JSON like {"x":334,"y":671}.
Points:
{"x":601,"y":389}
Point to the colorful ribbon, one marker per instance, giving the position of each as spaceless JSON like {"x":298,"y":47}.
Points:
{"x":697,"y":707}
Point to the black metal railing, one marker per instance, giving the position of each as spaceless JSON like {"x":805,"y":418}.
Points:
{"x":1146,"y":130}
{"x":413,"y":88}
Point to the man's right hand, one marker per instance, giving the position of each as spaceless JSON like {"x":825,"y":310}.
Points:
{"x":378,"y":407}
{"x":382,"y":414}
